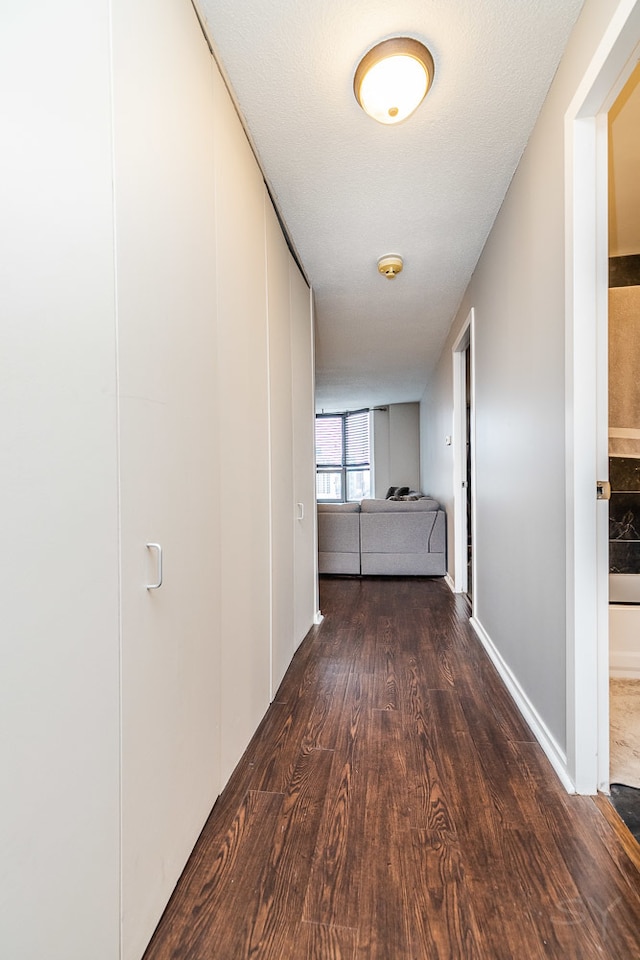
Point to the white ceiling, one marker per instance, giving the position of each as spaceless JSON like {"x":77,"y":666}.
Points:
{"x":350,"y":190}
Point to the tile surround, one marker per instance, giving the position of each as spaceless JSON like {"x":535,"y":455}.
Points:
{"x":624,"y":515}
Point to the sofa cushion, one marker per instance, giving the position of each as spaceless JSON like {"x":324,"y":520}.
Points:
{"x":399,"y":534}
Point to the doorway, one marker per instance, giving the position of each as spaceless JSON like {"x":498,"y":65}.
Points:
{"x":587,"y":544}
{"x":463,"y":459}
{"x":624,"y":451}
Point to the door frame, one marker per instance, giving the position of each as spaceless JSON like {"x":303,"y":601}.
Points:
{"x":460,"y":527}
{"x":586,"y":429}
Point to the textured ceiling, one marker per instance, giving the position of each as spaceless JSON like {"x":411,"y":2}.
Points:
{"x":350,"y":190}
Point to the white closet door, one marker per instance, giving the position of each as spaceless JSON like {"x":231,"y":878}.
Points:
{"x":281,"y":432}
{"x":305,"y":553}
{"x":59,"y":670}
{"x":244,"y":435}
{"x":164,"y":159}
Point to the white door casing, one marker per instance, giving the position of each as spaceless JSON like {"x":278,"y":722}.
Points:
{"x":460,"y":438}
{"x":586,"y":210}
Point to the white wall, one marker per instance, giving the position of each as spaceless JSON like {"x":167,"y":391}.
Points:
{"x":59,"y":842}
{"x":624,"y":649}
{"x":396,"y":446}
{"x":518,"y":294}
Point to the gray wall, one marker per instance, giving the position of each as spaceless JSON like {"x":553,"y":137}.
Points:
{"x":396,"y":447}
{"x":518,"y":294}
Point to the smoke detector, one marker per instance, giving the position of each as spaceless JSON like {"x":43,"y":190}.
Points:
{"x":390,"y":266}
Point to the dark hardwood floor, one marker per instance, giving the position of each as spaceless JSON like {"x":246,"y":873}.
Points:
{"x":394,"y":806}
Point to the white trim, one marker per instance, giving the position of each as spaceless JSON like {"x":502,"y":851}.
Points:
{"x":317,"y":617}
{"x":541,"y":732}
{"x":586,"y":398}
{"x":449,"y":582}
{"x":459,"y":463}
{"x":474,"y":483}
{"x":269,"y":318}
{"x":460,"y":528}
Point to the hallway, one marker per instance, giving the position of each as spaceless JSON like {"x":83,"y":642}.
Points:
{"x":393,"y":806}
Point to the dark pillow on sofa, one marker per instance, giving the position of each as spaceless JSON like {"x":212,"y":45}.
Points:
{"x":402,"y":491}
{"x":390,"y":493}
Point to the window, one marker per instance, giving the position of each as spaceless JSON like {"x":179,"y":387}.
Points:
{"x":343,"y":469}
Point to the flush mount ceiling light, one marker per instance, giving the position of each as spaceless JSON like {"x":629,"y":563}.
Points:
{"x":390,"y":266}
{"x":393,"y":78}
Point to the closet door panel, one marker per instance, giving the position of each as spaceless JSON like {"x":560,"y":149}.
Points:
{"x":305,"y":549}
{"x":165,"y":203}
{"x":244,"y":434}
{"x":281,"y":434}
{"x":59,"y":620}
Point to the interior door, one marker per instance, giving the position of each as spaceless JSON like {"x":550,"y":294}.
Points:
{"x":163,"y":131}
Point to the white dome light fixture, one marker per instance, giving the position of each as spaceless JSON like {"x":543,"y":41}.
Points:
{"x":393,"y":79}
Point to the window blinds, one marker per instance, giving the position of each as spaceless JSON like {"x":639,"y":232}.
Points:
{"x":342,"y":439}
{"x":356,"y":428}
{"x":329,"y":441}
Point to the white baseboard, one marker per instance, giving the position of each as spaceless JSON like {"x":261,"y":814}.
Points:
{"x":449,"y":582}
{"x":556,"y":756}
{"x":317,"y":617}
{"x":623,"y":663}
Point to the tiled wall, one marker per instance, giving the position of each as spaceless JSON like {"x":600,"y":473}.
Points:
{"x":624,"y":515}
{"x":624,"y":414}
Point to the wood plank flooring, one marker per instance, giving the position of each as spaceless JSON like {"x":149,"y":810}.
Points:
{"x":394,"y":806}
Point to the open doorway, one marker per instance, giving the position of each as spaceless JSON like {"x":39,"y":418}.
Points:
{"x":587,"y":440}
{"x":463,"y":459}
{"x":624,"y":451}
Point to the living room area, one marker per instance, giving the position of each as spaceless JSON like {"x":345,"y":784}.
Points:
{"x":374,"y":518}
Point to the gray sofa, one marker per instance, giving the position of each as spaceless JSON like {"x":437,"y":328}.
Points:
{"x":405,"y":537}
